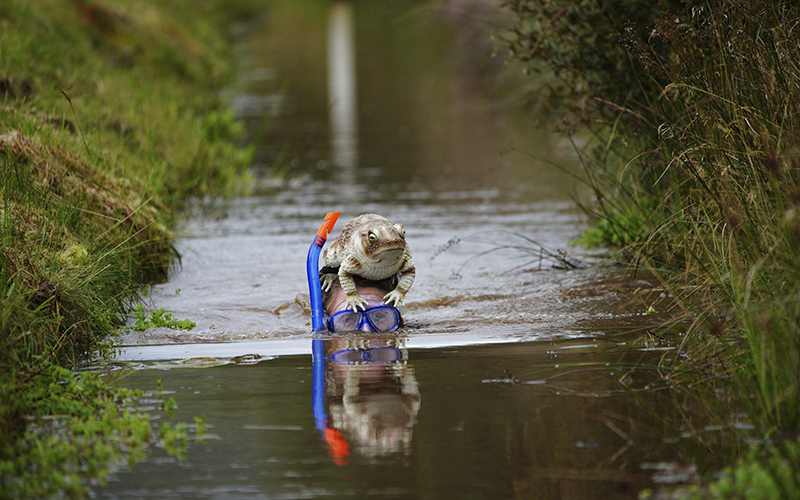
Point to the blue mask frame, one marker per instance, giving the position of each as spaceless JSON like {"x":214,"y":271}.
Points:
{"x":367,"y":317}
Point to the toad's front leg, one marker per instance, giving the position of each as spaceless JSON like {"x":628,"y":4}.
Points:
{"x":397,"y":296}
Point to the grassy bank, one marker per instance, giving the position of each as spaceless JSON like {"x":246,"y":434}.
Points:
{"x":697,"y":178}
{"x":110,"y":119}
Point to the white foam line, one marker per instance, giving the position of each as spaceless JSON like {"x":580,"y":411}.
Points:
{"x":283,"y":347}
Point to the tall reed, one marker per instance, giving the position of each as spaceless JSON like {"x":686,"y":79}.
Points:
{"x":715,"y":182}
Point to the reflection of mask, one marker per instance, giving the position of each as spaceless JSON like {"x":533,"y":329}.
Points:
{"x":371,"y":355}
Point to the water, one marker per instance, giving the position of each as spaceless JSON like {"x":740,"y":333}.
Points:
{"x":511,"y":378}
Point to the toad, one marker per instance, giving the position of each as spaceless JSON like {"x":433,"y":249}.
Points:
{"x":374,"y":248}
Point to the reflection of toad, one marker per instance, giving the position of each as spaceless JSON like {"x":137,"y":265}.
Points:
{"x":370,"y":389}
{"x":374,"y":248}
{"x":373,"y":396}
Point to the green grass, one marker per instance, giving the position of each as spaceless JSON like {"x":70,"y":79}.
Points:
{"x":723,"y":173}
{"x":110,"y":117}
{"x":698,"y":180}
{"x":702,"y":184}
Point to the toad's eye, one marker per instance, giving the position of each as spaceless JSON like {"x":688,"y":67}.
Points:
{"x":373,"y":237}
{"x":400,"y":231}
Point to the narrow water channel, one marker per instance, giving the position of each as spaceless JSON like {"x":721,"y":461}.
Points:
{"x":511,"y":377}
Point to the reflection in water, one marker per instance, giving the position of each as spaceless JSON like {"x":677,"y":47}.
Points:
{"x":342,"y":87}
{"x":546,"y":420}
{"x":371,"y":393}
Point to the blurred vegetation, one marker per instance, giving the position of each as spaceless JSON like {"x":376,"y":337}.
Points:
{"x":111,"y":117}
{"x":694,"y":110}
{"x":580,"y":44}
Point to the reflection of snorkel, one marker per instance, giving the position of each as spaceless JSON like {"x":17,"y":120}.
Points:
{"x":338,"y":447}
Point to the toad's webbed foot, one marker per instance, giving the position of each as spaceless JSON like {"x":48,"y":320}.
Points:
{"x":326,"y":281}
{"x":395,"y":298}
{"x":356,"y":301}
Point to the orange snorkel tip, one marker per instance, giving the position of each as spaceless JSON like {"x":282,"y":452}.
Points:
{"x":327,"y":225}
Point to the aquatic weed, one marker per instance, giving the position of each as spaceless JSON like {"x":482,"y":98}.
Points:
{"x":159,"y":318}
{"x":71,"y":431}
{"x":527,"y":248}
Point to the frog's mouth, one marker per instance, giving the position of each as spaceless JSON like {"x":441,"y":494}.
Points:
{"x":387,"y":255}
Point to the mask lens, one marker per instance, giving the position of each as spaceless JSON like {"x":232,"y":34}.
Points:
{"x":384,"y":319}
{"x":345,"y":321}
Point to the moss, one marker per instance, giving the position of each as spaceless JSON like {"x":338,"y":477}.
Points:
{"x":73,"y":256}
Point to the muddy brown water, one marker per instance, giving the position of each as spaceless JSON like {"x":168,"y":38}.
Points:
{"x":512,"y":377}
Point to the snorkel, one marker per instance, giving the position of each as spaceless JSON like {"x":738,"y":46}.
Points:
{"x":338,"y":447}
{"x":312,"y":269}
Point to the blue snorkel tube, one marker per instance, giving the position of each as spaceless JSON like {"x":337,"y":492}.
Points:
{"x":312,"y":269}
